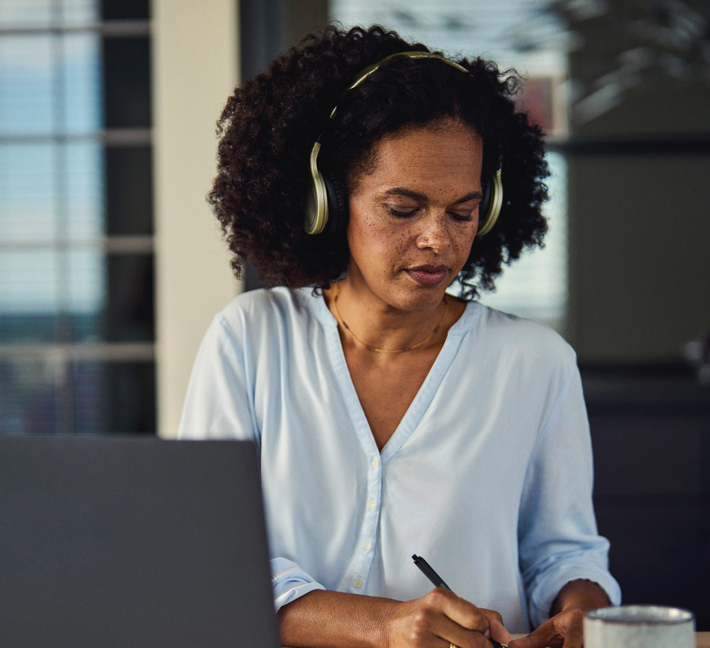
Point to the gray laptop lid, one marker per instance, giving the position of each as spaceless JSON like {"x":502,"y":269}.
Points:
{"x":132,"y":542}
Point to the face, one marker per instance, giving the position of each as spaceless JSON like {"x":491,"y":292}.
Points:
{"x":413,"y":218}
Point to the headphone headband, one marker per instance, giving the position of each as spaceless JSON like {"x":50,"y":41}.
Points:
{"x":364,"y":74}
{"x":318,"y":209}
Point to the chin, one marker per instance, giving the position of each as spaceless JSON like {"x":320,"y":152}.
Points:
{"x":423,"y":299}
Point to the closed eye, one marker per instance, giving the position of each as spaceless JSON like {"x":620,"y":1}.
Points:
{"x":402,"y":214}
{"x":463,"y":218}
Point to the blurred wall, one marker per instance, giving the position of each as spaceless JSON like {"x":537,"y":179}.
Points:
{"x":639,"y":196}
{"x":195,"y":68}
{"x":304,"y":17}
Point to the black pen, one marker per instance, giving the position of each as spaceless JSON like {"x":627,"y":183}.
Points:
{"x":429,"y":572}
{"x":438,"y":581}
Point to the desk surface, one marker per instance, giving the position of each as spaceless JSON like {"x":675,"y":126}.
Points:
{"x":702,"y":639}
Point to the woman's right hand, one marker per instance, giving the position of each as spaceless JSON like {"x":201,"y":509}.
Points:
{"x":440,"y":619}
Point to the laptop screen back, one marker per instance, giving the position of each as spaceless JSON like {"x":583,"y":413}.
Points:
{"x":131,"y":542}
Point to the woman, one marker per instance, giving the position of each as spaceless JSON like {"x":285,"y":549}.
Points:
{"x":392,"y":418}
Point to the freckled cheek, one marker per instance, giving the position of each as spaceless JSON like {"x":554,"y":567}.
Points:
{"x":374,"y":241}
{"x":395,"y":244}
{"x":462,"y":246}
{"x":386,"y":242}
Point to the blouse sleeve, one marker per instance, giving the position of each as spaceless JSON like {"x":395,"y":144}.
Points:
{"x":218,"y":400}
{"x":219,"y":405}
{"x":558,"y":539}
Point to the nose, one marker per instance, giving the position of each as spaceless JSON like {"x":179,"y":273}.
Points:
{"x":434,"y":233}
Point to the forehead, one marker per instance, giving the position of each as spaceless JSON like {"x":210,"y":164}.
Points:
{"x":443,"y":156}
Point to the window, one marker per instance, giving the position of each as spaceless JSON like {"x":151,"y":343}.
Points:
{"x":76,"y":244}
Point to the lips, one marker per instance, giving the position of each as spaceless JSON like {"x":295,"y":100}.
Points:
{"x":428,"y":275}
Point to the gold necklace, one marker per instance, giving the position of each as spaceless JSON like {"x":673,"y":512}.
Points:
{"x":371,"y":348}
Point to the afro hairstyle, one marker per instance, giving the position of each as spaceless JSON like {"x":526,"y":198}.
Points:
{"x":271,"y":122}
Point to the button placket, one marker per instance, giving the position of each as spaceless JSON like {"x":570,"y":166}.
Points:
{"x":369,"y":530}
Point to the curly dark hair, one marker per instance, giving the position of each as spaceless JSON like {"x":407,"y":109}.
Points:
{"x":270,"y":123}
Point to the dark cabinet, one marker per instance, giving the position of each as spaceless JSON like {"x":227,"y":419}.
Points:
{"x":651,"y":436}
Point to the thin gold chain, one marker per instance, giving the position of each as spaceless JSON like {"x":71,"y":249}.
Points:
{"x":371,"y":348}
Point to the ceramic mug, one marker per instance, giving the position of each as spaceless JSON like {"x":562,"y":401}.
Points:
{"x":639,"y":626}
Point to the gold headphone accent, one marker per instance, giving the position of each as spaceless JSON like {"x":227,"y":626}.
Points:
{"x":317,"y":204}
{"x":413,"y":55}
{"x":494,"y":207}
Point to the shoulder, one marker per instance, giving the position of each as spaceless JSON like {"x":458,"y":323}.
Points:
{"x":266,"y":302}
{"x":267,"y":312}
{"x":521,"y":331}
{"x":523,"y":340}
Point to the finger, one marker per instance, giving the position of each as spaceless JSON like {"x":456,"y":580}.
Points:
{"x":574,"y":638}
{"x":466,"y":642}
{"x":462,"y":638}
{"x":498,"y":632}
{"x":496,"y":628}
{"x":458,"y":610}
{"x":525,"y":642}
{"x":441,"y":626}
{"x":437,"y":629}
{"x":539,"y":638}
{"x":454,"y":620}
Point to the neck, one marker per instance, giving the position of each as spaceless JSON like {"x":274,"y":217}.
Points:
{"x":377,"y":327}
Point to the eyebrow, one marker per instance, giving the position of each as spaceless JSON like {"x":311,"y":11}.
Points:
{"x":415,"y":195}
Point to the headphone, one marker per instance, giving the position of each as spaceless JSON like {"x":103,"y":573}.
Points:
{"x":328,"y":201}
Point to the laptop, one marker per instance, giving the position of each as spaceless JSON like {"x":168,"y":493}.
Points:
{"x":132,"y":542}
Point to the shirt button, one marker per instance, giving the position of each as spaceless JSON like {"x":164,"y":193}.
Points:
{"x":357,"y":582}
{"x":371,"y":505}
{"x":367,"y":545}
{"x":374,"y":463}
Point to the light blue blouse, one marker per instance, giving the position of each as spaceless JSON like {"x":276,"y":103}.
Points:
{"x":488,"y":475}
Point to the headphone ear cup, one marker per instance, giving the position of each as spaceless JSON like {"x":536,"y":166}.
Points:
{"x":338,"y":211}
{"x":491,"y":204}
